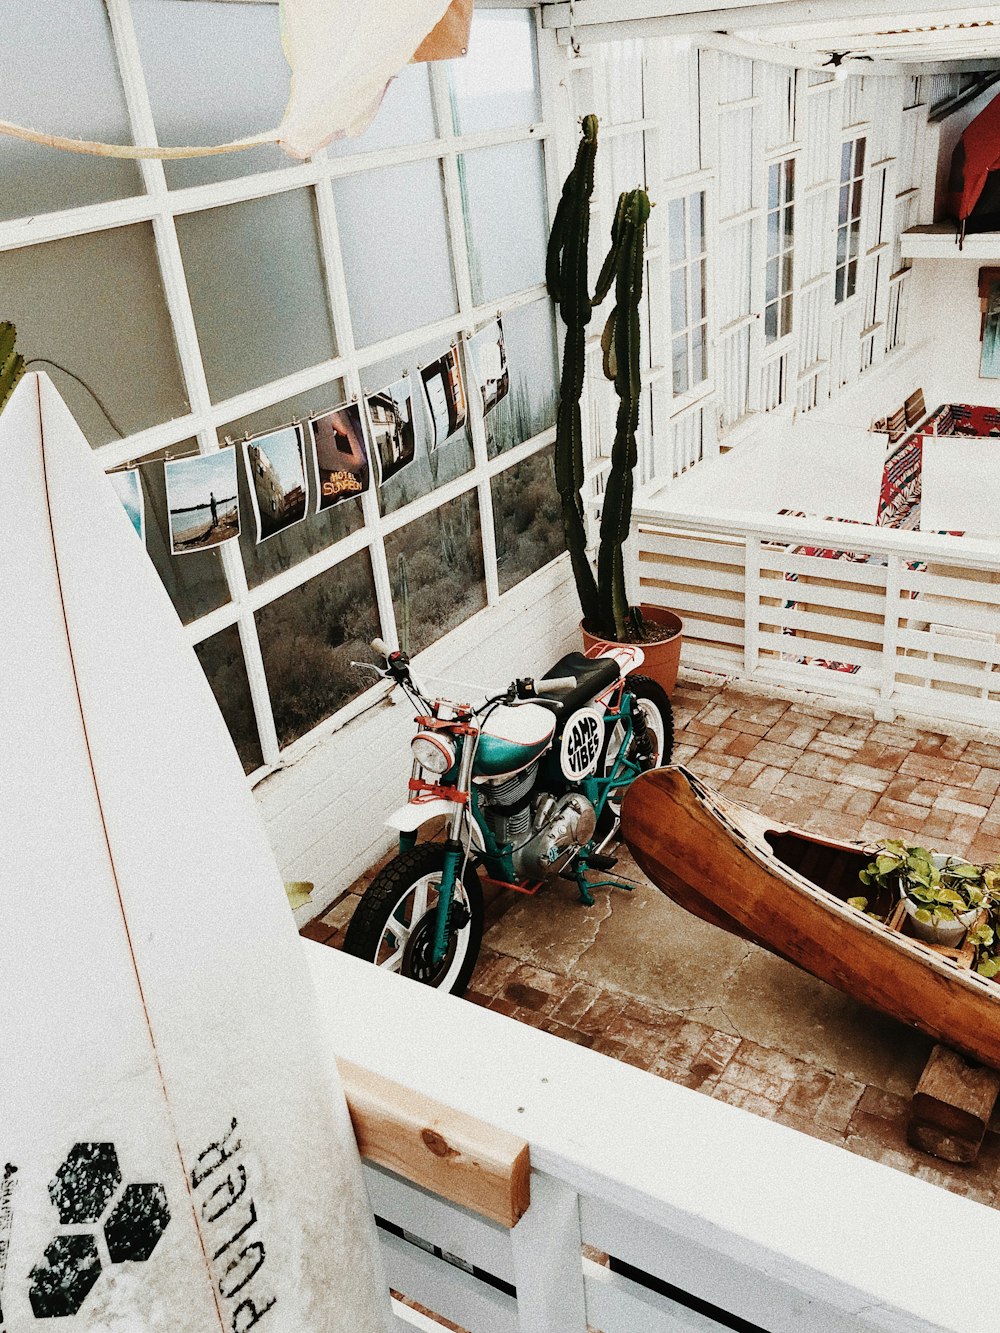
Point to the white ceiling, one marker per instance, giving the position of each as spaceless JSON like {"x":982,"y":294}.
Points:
{"x":934,"y":36}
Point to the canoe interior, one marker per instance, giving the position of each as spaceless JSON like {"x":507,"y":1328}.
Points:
{"x":830,"y":867}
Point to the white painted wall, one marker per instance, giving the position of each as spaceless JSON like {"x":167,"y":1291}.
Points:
{"x":324,"y":813}
{"x":945,"y":299}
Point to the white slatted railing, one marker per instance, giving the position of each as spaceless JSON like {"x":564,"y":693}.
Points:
{"x":699,"y":1216}
{"x":908,"y":620}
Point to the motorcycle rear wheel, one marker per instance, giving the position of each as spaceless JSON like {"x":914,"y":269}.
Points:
{"x":392,"y":925}
{"x":654,"y":703}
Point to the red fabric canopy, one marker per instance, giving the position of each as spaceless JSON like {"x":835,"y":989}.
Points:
{"x":976,"y":154}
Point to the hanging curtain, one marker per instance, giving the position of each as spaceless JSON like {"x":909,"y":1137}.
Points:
{"x":343,"y":54}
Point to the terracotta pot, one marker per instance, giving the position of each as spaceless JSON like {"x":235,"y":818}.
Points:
{"x":662,"y":656}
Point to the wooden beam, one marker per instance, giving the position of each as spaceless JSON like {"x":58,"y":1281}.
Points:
{"x":952,"y":1105}
{"x":445,"y":1151}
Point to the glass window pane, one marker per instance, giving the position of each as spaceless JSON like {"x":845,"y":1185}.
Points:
{"x":845,"y":161}
{"x":527,"y":518}
{"x":436,"y":570}
{"x":675,"y":230}
{"x":699,"y":367}
{"x":786,"y":273}
{"x":678,"y":299}
{"x":308,"y":639}
{"x":843,"y":203}
{"x":530,"y":406}
{"x":394,"y":240}
{"x":506,"y":223}
{"x":59,"y":73}
{"x":628,"y":165}
{"x":496,"y":84}
{"x":221,"y":659}
{"x":856,"y":201}
{"x":859,"y":157}
{"x":256,"y":284}
{"x":200,"y":58}
{"x":696,"y":222}
{"x":94,"y":304}
{"x":771,"y":280}
{"x":786,"y":316}
{"x":405,"y":116}
{"x":790,"y":178}
{"x":852,"y":275}
{"x":838,"y":294}
{"x":773,"y":184}
{"x":316,"y":531}
{"x":428,"y":467}
{"x":842,"y":244}
{"x":680,"y":364}
{"x":194,"y":581}
{"x":789,"y":225}
{"x":698,"y":291}
{"x":770,"y":322}
{"x":772,"y":233}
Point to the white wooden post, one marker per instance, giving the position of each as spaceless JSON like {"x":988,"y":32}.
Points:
{"x":751,"y":606}
{"x":548,"y":1266}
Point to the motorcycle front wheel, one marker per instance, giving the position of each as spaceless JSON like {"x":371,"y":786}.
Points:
{"x":653,"y":702}
{"x":393,"y":924}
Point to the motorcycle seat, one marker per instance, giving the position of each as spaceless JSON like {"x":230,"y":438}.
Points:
{"x":593,"y":675}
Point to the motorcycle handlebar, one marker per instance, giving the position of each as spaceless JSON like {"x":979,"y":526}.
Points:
{"x":528,"y":688}
{"x":381,"y":647}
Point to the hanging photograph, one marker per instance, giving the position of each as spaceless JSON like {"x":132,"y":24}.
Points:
{"x":202,"y":500}
{"x":129,"y":491}
{"x":340,"y":456}
{"x":444,"y":394}
{"x":390,"y":413}
{"x":488,"y":360}
{"x":989,"y":366}
{"x":276,"y":472}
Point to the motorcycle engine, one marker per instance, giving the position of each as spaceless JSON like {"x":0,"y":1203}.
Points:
{"x":506,"y":805}
{"x":560,"y":826}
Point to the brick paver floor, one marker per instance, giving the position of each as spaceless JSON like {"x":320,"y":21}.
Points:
{"x":801,"y":760}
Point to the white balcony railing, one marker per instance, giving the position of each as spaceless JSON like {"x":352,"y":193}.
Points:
{"x":909,"y":621}
{"x":715,"y":1218}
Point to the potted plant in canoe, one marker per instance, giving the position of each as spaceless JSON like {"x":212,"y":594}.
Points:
{"x":607,"y":615}
{"x":943,"y":896}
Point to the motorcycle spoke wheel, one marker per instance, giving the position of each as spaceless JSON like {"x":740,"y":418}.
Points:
{"x":654,"y":703}
{"x":392,"y":924}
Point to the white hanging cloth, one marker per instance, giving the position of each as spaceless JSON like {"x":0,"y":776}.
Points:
{"x":343,"y":55}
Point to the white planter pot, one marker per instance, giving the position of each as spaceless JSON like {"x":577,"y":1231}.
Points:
{"x":947,"y":933}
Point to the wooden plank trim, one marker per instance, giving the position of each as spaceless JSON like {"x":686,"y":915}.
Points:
{"x":475,"y":1165}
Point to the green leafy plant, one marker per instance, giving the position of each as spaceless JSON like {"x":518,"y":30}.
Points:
{"x":11,"y":362}
{"x":603,"y":599}
{"x":938,"y":893}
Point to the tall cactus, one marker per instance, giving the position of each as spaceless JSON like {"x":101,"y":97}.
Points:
{"x":568,"y":283}
{"x":603,"y":600}
{"x":621,"y":342}
{"x":11,"y":362}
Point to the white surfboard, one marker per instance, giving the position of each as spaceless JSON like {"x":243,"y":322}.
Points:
{"x":175,"y":1155}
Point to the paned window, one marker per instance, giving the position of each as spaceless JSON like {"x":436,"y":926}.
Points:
{"x":688,"y":305}
{"x":780,"y":244}
{"x":852,"y":171}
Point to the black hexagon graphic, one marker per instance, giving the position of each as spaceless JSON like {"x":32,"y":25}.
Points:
{"x":85,"y":1182}
{"x":137,"y":1222}
{"x":59,"y":1285}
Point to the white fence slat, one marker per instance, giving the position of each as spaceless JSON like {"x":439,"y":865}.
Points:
{"x":926,"y":641}
{"x":727,"y":577}
{"x":831,"y":592}
{"x":715,"y":633}
{"x":951,"y":673}
{"x":966,"y":614}
{"x":686,"y":599}
{"x":407,"y":1320}
{"x":548,"y":1262}
{"x":846,"y":571}
{"x":616,"y":1305}
{"x":937,"y":584}
{"x":459,"y":1232}
{"x":751,"y":628}
{"x":712,"y":1276}
{"x":446,"y":1289}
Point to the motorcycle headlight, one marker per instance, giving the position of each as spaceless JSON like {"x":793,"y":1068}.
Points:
{"x":432,"y":751}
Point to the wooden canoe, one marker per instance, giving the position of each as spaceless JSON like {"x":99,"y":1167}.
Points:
{"x":787,"y":891}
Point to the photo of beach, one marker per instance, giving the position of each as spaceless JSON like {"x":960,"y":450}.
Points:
{"x":127,"y":488}
{"x":202,"y":501}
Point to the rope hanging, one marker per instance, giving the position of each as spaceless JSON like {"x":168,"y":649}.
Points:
{"x":132,"y":151}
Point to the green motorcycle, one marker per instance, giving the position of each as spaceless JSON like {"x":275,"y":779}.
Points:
{"x":530,"y":783}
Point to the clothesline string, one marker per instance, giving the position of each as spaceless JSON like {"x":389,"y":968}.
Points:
{"x":94,"y":148}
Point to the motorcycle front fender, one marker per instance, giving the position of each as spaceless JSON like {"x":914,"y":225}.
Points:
{"x":408,"y":818}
